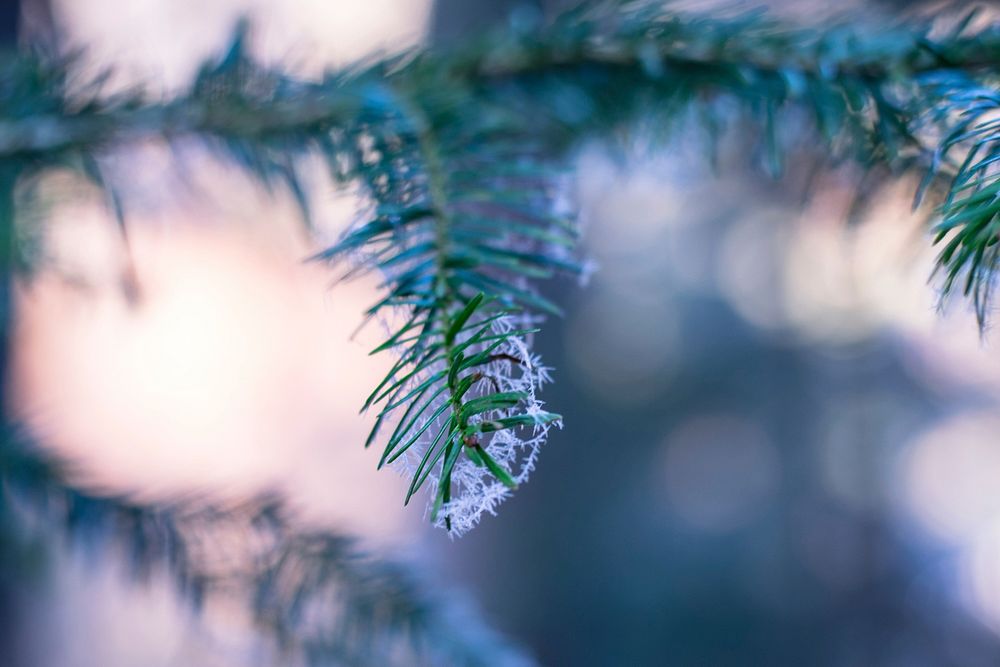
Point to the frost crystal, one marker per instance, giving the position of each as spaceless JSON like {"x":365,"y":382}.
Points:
{"x":475,"y":489}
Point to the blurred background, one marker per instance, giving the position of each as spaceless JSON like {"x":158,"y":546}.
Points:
{"x":778,"y":450}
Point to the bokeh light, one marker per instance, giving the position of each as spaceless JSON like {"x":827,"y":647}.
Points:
{"x":952,"y":476}
{"x":720,"y":472}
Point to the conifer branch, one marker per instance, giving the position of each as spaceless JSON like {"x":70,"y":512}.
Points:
{"x":969,"y":228}
{"x":458,"y":225}
{"x":462,"y":150}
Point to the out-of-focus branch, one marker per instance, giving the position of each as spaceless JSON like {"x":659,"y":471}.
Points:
{"x":314,"y":595}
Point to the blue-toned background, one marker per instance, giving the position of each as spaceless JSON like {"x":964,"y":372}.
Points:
{"x":777,"y":450}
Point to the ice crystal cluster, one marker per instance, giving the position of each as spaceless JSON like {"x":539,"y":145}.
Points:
{"x":513,"y":371}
